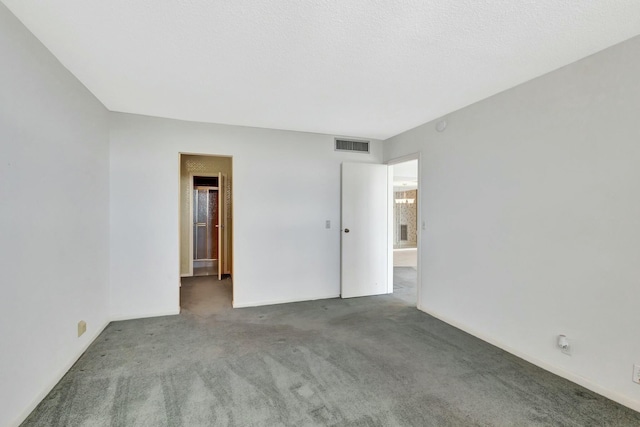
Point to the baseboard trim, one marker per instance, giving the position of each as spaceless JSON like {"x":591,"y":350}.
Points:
{"x":281,"y":301}
{"x":119,"y":318}
{"x":584,"y":382}
{"x":56,"y":379}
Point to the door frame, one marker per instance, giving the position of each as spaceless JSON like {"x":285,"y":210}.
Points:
{"x":419,"y":226}
{"x":231,"y":209}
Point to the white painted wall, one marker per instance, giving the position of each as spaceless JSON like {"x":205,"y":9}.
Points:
{"x":286,"y":184}
{"x":532,"y":207}
{"x":53,"y":219}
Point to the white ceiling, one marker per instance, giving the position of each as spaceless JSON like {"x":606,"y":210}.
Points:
{"x":352,"y":68}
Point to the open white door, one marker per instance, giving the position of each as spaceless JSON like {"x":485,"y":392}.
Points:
{"x":364,"y":230}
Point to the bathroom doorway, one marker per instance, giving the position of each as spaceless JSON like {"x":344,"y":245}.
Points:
{"x":206,"y":232}
{"x":207,"y":225}
{"x":405,"y":226}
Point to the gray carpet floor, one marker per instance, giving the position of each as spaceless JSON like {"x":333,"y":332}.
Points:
{"x":404,"y":284}
{"x":373,"y":361}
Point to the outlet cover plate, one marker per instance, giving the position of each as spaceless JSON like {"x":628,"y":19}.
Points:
{"x":636,"y":373}
{"x":82,"y":327}
{"x":564,"y":345}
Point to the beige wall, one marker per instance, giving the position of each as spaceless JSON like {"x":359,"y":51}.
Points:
{"x":405,"y":213}
{"x":194,"y":164}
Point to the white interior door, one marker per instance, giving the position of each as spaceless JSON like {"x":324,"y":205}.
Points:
{"x":364,"y":230}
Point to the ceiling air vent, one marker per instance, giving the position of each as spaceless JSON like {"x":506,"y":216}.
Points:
{"x":352,"y":145}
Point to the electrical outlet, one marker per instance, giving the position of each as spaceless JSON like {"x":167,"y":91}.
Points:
{"x":82,"y":327}
{"x":636,"y":373}
{"x":327,"y":224}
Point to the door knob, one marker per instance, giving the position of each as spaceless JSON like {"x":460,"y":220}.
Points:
{"x":346,"y":230}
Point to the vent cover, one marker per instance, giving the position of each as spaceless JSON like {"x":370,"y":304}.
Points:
{"x":352,"y":145}
{"x":404,"y":234}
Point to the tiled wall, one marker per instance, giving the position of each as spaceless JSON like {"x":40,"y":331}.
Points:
{"x":405,"y":213}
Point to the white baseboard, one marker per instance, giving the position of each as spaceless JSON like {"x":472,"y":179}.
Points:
{"x":281,"y":301}
{"x":584,"y":382}
{"x":56,"y":379}
{"x":121,"y":317}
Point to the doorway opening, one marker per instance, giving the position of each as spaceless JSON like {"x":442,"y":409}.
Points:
{"x":206,"y":233}
{"x":207,"y":226}
{"x":404,"y":228}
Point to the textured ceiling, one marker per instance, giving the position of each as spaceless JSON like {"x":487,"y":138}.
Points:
{"x":356,"y":68}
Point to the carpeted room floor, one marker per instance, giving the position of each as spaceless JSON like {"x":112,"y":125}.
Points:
{"x":374,"y":361}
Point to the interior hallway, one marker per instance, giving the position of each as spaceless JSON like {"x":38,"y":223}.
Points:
{"x":357,"y":362}
{"x":206,"y":295}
